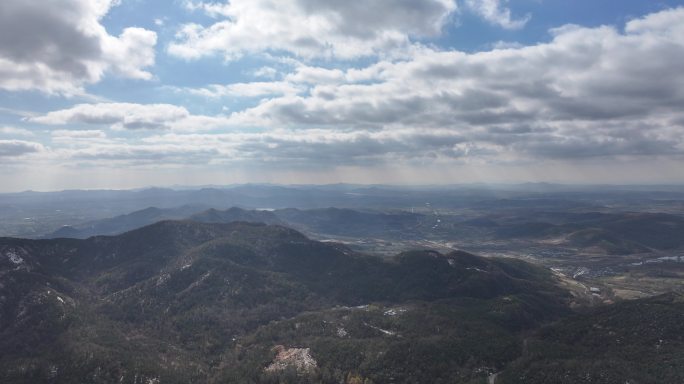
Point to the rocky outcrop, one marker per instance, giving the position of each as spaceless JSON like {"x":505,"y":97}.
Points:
{"x":298,"y":358}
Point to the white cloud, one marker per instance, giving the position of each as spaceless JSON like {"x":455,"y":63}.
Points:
{"x":14,"y":131}
{"x":586,"y":94}
{"x":60,"y":46}
{"x":130,"y":154}
{"x":68,"y":134}
{"x":254,"y":89}
{"x":316,"y":75}
{"x":495,"y":12}
{"x":310,"y":28}
{"x":131,"y":52}
{"x":280,"y":148}
{"x":506,"y":45}
{"x":118,"y":115}
{"x":16,"y":148}
{"x":130,"y":116}
{"x":266,"y":72}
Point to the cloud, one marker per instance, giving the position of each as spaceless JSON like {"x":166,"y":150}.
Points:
{"x":254,"y":89}
{"x":130,"y":53}
{"x":57,"y":47}
{"x":266,"y":72}
{"x":317,"y":75}
{"x":16,"y":148}
{"x":130,"y":116}
{"x":66,"y":134}
{"x":279,"y":148}
{"x":589,"y":91}
{"x":141,"y":155}
{"x":496,"y":13}
{"x":14,"y":131}
{"x":285,"y":147}
{"x":310,"y":28}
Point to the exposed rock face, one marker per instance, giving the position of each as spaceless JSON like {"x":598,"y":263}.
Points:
{"x":299,"y":358}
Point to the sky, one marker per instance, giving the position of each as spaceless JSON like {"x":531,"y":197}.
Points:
{"x":133,"y":93}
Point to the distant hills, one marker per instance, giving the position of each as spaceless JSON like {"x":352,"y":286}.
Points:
{"x":593,"y":232}
{"x":333,"y":221}
{"x":33,"y":214}
{"x":236,"y":214}
{"x":125,"y":223}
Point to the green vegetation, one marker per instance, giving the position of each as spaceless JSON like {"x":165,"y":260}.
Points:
{"x":639,"y":341}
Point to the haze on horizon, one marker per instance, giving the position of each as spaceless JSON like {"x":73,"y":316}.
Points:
{"x":133,"y":93}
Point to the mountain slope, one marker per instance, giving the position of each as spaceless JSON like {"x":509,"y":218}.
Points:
{"x":124,"y":223}
{"x":327,"y":221}
{"x":637,"y":341}
{"x":181,"y":301}
{"x":236,"y":214}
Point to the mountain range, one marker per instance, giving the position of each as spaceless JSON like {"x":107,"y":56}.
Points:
{"x":190,"y":302}
{"x":609,"y":233}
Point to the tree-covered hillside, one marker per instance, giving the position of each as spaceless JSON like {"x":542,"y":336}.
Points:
{"x":188,"y":302}
{"x":191,"y":302}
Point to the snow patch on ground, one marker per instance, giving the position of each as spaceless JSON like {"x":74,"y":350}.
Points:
{"x":386,"y":332}
{"x":341,"y":332}
{"x":196,"y":283}
{"x":163,"y":278}
{"x":580,"y":272}
{"x":54,"y":370}
{"x":394,"y":311}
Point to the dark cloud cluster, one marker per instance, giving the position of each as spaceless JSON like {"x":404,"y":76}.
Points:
{"x":58,"y":46}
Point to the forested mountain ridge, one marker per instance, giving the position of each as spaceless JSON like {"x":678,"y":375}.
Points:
{"x":618,"y":233}
{"x":189,"y":302}
{"x":174,"y":301}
